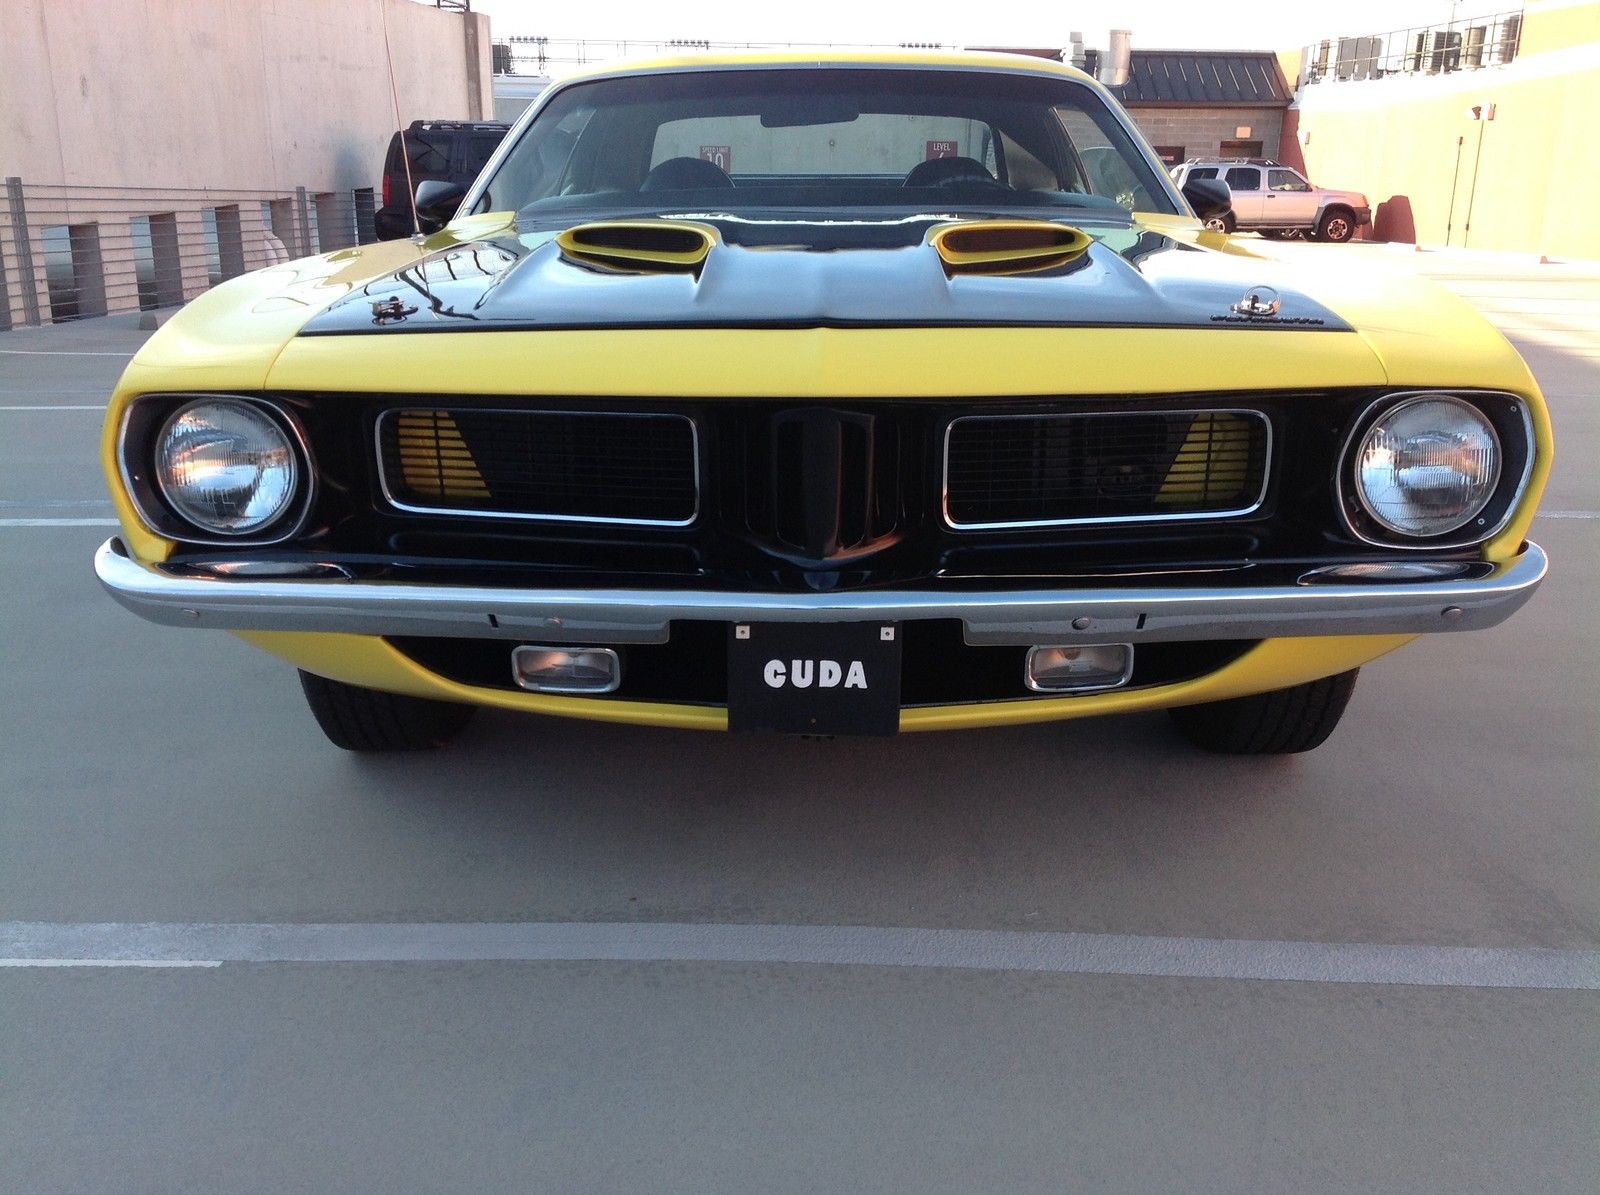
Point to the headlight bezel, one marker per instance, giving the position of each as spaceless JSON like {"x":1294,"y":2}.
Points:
{"x":1511,"y":422}
{"x":143,"y":423}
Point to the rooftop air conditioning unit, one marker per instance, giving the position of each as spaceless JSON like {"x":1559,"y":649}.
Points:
{"x":1510,"y":34}
{"x":1446,"y":52}
{"x":1346,"y":68}
{"x":1367,"y":51}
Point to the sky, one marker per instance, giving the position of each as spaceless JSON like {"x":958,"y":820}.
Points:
{"x":1156,"y":24}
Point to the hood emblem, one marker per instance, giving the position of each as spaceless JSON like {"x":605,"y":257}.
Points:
{"x":1261,"y":305}
{"x":390,"y":311}
{"x":1259,"y":302}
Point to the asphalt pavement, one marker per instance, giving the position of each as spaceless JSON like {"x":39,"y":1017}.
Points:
{"x":566,"y":956}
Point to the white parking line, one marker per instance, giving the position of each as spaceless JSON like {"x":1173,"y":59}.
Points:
{"x":1568,"y":514}
{"x":46,"y":944}
{"x":103,"y":962}
{"x":59,"y":523}
{"x":55,"y":407}
{"x":62,"y":353}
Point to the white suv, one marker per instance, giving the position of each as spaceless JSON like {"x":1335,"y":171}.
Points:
{"x":1277,"y":200}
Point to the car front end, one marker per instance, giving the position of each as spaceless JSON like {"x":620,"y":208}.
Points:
{"x":832,"y":460}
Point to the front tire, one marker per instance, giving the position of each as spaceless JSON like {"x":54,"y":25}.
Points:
{"x":1338,"y":226}
{"x":1223,"y":223}
{"x":368,"y":720}
{"x":1282,"y":722}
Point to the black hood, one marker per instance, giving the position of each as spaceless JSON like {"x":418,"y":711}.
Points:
{"x":807,"y":273}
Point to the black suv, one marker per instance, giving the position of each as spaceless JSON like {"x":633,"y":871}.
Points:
{"x":451,"y":150}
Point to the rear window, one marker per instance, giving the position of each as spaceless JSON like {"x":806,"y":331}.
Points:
{"x":1244,"y":178}
{"x":480,"y":148}
{"x":873,"y":143}
{"x":429,"y":151}
{"x":825,"y":138}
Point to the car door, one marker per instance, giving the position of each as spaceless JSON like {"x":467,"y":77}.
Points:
{"x":1289,"y":200}
{"x":1245,"y":183}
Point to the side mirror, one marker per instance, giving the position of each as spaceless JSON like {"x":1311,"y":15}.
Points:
{"x":1208,"y":196}
{"x":437,"y":201}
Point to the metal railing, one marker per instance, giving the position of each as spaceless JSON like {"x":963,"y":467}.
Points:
{"x":1461,"y":45}
{"x":70,"y":252}
{"x":535,"y":55}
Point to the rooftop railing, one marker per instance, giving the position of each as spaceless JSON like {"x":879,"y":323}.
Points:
{"x":535,"y":55}
{"x":1463,"y":45}
{"x":71,"y":252}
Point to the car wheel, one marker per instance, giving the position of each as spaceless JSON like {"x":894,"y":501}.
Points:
{"x":1223,"y":223}
{"x":1338,"y":226}
{"x":1282,"y":722}
{"x":1281,"y":234}
{"x":360,"y":719}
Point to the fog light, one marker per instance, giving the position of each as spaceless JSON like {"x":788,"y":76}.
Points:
{"x":566,"y":669}
{"x":1079,"y":668}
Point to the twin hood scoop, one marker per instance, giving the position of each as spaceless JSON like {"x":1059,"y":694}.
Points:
{"x":1006,"y":246}
{"x":640,"y":246}
{"x":992,"y":247}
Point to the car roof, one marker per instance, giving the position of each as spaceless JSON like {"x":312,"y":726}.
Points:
{"x":975,"y":60}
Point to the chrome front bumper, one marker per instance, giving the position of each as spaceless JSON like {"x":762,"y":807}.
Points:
{"x":1128,"y":614}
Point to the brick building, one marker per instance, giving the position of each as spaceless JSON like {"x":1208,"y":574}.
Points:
{"x":1198,"y":103}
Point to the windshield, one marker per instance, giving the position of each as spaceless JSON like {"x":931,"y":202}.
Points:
{"x":808,"y":138}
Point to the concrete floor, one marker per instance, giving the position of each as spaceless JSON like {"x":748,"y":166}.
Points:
{"x":158,"y":776}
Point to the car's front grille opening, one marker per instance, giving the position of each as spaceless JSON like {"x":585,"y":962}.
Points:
{"x":818,"y":483}
{"x":591,"y":466}
{"x":1026,"y":470}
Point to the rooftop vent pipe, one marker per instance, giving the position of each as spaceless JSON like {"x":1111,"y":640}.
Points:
{"x":1115,"y":61}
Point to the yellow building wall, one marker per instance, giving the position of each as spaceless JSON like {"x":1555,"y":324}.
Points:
{"x":1559,"y":24}
{"x":1526,"y":180}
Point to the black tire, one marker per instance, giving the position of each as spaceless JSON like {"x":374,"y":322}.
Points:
{"x":1280,"y":234}
{"x":1282,"y":722}
{"x":360,"y":719}
{"x":1222,"y":223}
{"x":1338,"y":225}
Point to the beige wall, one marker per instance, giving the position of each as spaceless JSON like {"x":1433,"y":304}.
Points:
{"x":260,"y":94}
{"x":1528,"y":178}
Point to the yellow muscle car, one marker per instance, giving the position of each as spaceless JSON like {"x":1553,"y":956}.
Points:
{"x":883,"y":392}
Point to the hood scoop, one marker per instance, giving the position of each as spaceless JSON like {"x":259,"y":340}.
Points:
{"x":639,"y":246}
{"x":998,"y":247}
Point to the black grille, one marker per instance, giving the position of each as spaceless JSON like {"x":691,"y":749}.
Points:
{"x":1026,"y":469}
{"x":819,"y":484}
{"x":599,"y":466}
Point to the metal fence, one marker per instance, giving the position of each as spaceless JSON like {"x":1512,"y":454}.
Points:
{"x":523,"y":55}
{"x":1430,"y":49}
{"x":71,"y":252}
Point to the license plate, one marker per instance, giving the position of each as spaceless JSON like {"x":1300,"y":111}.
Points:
{"x":814,"y":678}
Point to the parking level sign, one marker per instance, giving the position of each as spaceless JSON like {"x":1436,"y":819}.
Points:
{"x":941,"y":149}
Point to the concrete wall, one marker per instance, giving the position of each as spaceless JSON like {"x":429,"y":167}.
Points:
{"x":1526,"y":180}
{"x":267,"y":94}
{"x":1201,"y":131}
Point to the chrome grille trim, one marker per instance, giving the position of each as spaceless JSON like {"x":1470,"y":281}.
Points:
{"x":524,"y":516}
{"x":1098,"y":520}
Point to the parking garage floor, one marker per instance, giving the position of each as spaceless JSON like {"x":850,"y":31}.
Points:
{"x":570,"y":956}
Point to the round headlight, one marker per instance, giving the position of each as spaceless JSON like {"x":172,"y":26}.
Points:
{"x":226,"y":466}
{"x":1427,"y":466}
